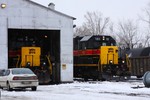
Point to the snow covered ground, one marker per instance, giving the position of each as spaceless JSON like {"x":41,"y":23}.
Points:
{"x":83,"y":91}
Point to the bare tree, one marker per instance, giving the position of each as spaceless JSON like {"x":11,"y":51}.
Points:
{"x":146,"y":38}
{"x":146,"y":19}
{"x":81,"y":31}
{"x":95,"y":24}
{"x":128,"y":34}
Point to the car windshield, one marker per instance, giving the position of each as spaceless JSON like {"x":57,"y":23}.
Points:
{"x":22,"y":71}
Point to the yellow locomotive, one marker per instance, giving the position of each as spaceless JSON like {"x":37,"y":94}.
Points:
{"x":30,"y":57}
{"x":97,"y":57}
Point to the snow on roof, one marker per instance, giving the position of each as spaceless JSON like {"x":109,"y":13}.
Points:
{"x":85,"y":38}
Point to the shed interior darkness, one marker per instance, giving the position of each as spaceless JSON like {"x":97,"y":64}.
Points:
{"x":47,"y":40}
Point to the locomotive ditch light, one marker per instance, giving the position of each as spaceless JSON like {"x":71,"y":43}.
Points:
{"x":28,"y":63}
{"x":3,"y":5}
{"x":45,"y":36}
{"x":110,"y":62}
{"x":44,"y":63}
{"x":53,"y":64}
{"x":123,"y":61}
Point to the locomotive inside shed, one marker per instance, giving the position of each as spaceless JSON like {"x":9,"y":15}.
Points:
{"x":47,"y":40}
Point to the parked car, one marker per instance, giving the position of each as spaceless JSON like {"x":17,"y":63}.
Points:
{"x":18,"y":78}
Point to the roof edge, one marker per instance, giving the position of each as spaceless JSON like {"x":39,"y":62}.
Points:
{"x":51,"y":9}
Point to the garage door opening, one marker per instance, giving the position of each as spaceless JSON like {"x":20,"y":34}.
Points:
{"x":48,"y":42}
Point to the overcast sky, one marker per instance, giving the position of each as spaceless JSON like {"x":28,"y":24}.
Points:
{"x":115,"y":9}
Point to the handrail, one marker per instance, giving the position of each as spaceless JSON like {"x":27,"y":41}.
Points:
{"x":128,"y":62}
{"x":17,"y":65}
{"x":50,"y":64}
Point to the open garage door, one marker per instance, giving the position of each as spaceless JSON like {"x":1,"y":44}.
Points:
{"x":48,"y":42}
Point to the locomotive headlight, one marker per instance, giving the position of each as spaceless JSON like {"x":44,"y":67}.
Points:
{"x":103,"y":37}
{"x":123,"y":61}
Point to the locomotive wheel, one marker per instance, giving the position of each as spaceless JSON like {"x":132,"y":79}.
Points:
{"x":107,"y":77}
{"x":128,"y":77}
{"x":43,"y":76}
{"x":120,"y":78}
{"x":101,"y":78}
{"x":85,"y":79}
{"x":94,"y":79}
{"x":123,"y":78}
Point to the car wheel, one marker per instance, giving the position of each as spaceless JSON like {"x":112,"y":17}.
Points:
{"x":1,"y":87}
{"x":34,"y":88}
{"x":8,"y":87}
